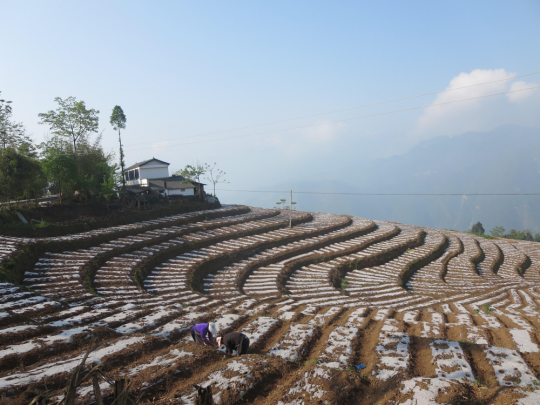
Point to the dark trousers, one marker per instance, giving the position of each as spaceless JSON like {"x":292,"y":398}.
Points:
{"x":245,"y":346}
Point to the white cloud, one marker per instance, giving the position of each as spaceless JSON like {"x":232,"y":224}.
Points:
{"x":478,"y":114}
{"x":521,"y":92}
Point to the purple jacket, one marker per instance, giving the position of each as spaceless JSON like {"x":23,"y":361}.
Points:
{"x":202,"y":329}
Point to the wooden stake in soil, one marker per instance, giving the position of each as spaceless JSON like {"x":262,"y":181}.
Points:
{"x":204,"y":395}
{"x":97,"y":391}
{"x":119,"y":392}
{"x":121,"y":395}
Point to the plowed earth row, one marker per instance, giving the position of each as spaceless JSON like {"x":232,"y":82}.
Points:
{"x":338,"y":310}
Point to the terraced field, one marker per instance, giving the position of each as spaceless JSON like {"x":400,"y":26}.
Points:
{"x":338,"y":310}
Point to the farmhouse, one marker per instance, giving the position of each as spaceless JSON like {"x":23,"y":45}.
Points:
{"x":152,"y":176}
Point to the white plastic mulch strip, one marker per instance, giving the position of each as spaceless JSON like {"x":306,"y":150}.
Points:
{"x":356,"y":318}
{"x":257,"y":309}
{"x":509,"y":367}
{"x":148,"y":321}
{"x":179,"y":325}
{"x":289,"y":346}
{"x":65,"y":366}
{"x":287,"y":316}
{"x":434,"y":328}
{"x":17,"y":329}
{"x":246,"y":305}
{"x":307,"y":387}
{"x":392,"y":351}
{"x":382,"y":314}
{"x":338,"y":352}
{"x":425,"y":391}
{"x":450,"y":360}
{"x":259,"y":328}
{"x":226,"y":321}
{"x":321,"y":319}
{"x":37,"y":307}
{"x":237,"y":376}
{"x":82,"y":318}
{"x":522,"y":339}
{"x":161,"y":361}
{"x":410,"y":316}
{"x":18,"y":349}
{"x":530,"y":398}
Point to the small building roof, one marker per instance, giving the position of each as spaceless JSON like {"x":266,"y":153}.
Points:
{"x":144,"y":162}
{"x":176,"y":179}
{"x":173,"y":183}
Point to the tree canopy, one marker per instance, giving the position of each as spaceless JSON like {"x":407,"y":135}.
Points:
{"x":193,"y":172}
{"x":69,"y":172}
{"x":71,"y":120}
{"x":21,"y":176}
{"x":12,"y":134}
{"x":478,"y":228}
{"x":118,"y":118}
{"x":498,"y":232}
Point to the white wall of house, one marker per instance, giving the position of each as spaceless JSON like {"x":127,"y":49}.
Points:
{"x":153,"y":170}
{"x":182,"y":191}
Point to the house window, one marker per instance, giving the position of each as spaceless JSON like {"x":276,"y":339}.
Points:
{"x":131,"y":176}
{"x":182,"y":189}
{"x":136,"y":174}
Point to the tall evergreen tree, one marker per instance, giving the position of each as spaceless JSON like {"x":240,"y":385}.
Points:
{"x":118,"y":122}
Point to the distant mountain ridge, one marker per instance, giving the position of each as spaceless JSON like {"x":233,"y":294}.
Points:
{"x":505,"y":160}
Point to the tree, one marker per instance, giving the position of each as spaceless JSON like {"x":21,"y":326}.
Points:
{"x":193,"y":173}
{"x":59,"y":168}
{"x":478,"y":228}
{"x":84,"y":172}
{"x":215,"y":176}
{"x":497,"y":232}
{"x":20,"y":176}
{"x":527,"y":235}
{"x":118,"y":122}
{"x":513,"y":234}
{"x":12,"y":134}
{"x":71,"y":120}
{"x":108,"y":189}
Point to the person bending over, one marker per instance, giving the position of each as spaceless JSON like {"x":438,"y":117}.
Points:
{"x":203,"y":333}
{"x":234,"y":341}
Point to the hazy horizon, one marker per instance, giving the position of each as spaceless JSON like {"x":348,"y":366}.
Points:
{"x":184,"y":69}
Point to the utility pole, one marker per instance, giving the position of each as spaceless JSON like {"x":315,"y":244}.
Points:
{"x":290,"y":212}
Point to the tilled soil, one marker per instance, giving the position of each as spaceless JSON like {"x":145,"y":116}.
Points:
{"x":419,"y":316}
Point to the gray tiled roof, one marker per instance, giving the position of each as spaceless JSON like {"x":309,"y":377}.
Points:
{"x":145,"y":162}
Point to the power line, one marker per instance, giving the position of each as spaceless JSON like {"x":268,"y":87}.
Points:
{"x":385,"y":194}
{"x":335,"y":111}
{"x":336,"y":121}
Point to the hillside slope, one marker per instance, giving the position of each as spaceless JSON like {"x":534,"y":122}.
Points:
{"x":433,"y":316}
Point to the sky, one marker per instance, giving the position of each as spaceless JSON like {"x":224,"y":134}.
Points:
{"x":188,"y":74}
